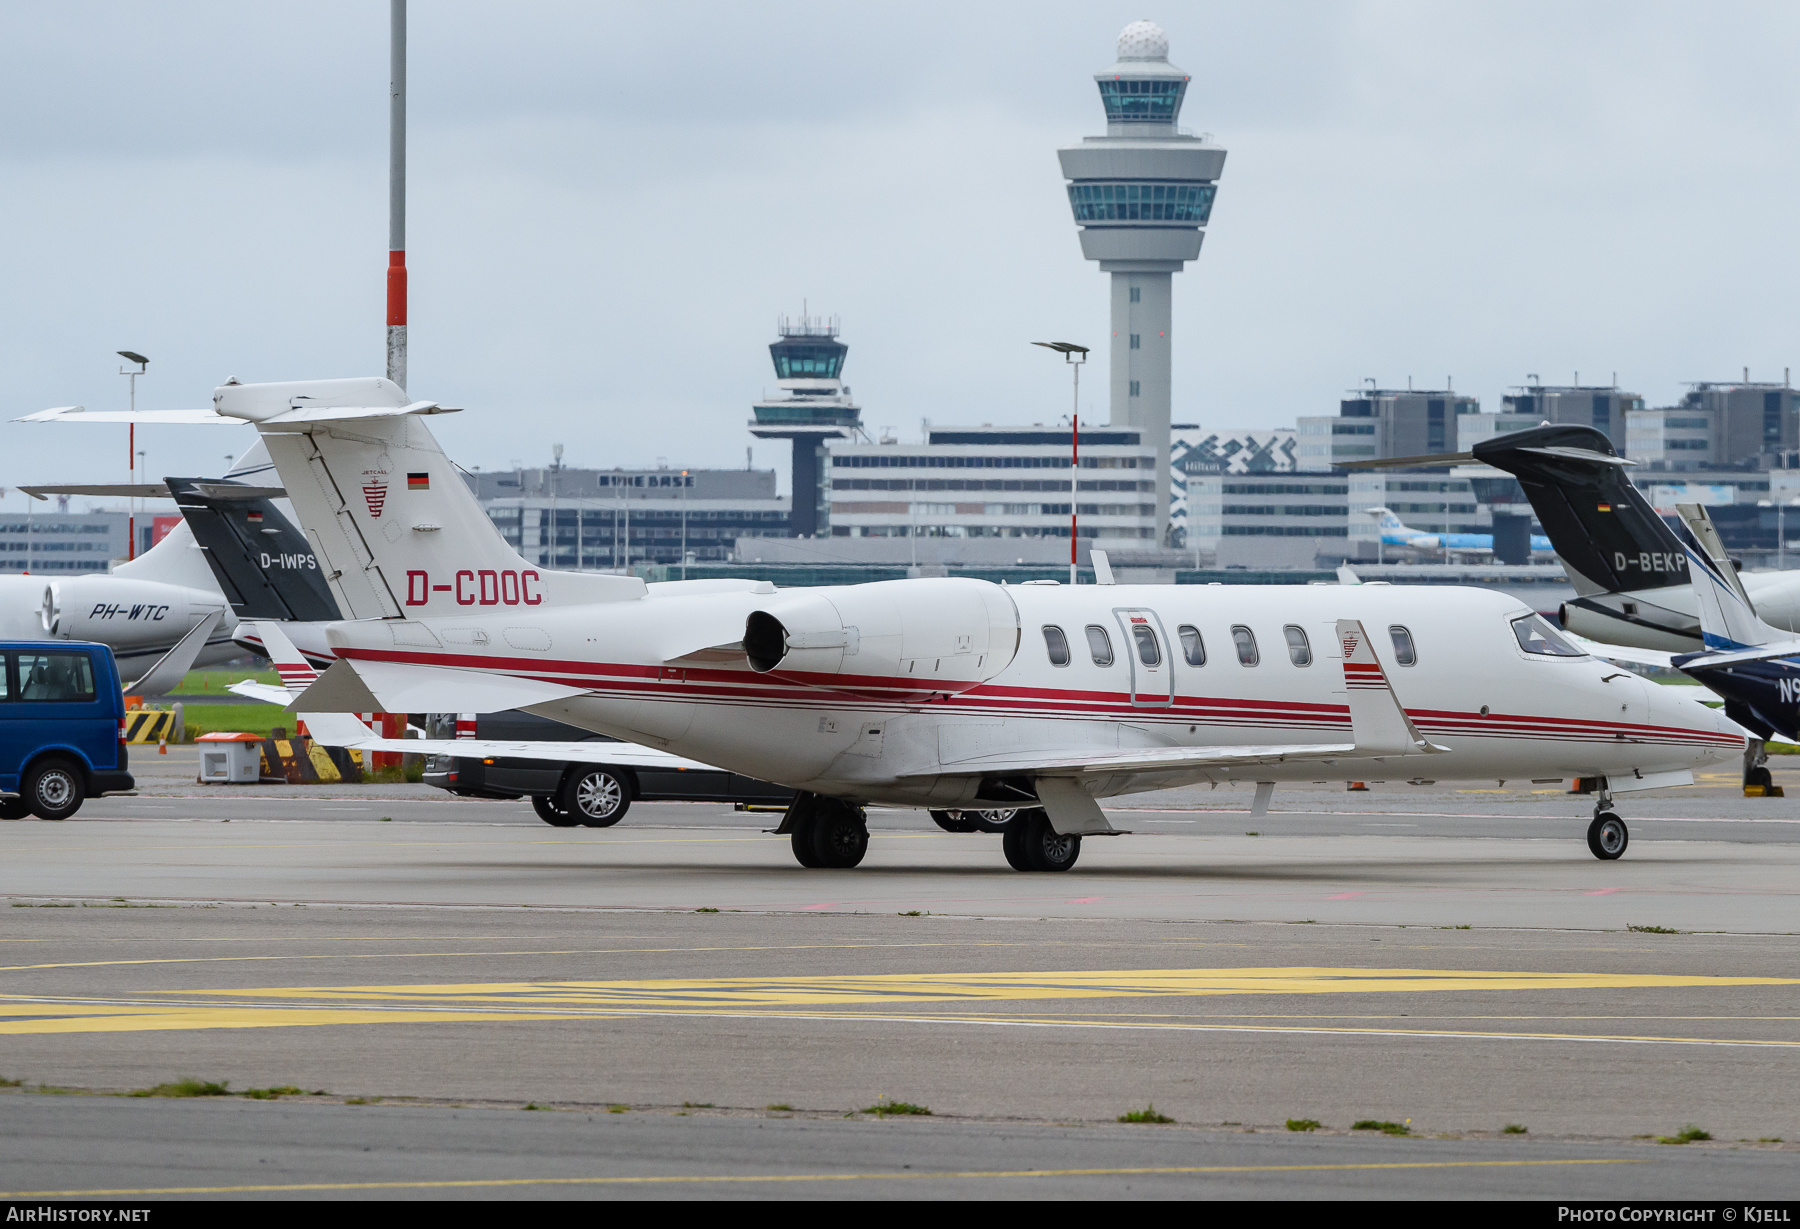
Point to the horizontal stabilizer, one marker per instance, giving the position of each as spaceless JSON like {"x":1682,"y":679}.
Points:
{"x":393,"y":687}
{"x":1424,"y":462}
{"x":75,"y":413}
{"x":266,"y":693}
{"x":341,"y":413}
{"x":108,"y":490}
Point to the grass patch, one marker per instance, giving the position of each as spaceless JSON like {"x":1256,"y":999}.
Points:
{"x":618,"y":1109}
{"x":273,"y":1093}
{"x":696,"y":1105}
{"x":362,"y":1100}
{"x":778,"y":1107}
{"x":1686,"y":1135}
{"x":1382,"y":1125}
{"x":884,"y":1107}
{"x":10,"y":1083}
{"x":1148,"y":1114}
{"x":257,"y":719}
{"x":1654,"y":930}
{"x":1252,"y":834}
{"x":215,"y":682}
{"x":189,"y":1087}
{"x":1771,"y":1139}
{"x":1513,"y":1128}
{"x":385,"y":819}
{"x":708,"y":909}
{"x":915,"y":913}
{"x":533,"y":1105}
{"x":1304,"y":1124}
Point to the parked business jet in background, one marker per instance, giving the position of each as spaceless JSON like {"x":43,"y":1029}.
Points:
{"x":1394,"y":533}
{"x":1629,"y":570}
{"x":948,"y":692}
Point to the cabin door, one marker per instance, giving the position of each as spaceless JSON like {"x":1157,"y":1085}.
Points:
{"x":1146,"y":651}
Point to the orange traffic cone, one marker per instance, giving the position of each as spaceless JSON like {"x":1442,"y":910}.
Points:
{"x":162,"y":746}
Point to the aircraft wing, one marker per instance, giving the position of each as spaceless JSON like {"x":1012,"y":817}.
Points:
{"x":346,"y":730}
{"x":268,"y":693}
{"x":1078,"y":762}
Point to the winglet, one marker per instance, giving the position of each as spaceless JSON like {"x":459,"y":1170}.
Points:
{"x":169,"y":669}
{"x":297,"y":674}
{"x":1378,"y":723}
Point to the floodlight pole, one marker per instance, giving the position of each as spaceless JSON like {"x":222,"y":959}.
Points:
{"x":131,"y":456}
{"x":396,"y":274}
{"x":1075,"y":356}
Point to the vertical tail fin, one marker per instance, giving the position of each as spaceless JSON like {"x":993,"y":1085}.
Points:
{"x":396,"y":530}
{"x":1727,"y":618}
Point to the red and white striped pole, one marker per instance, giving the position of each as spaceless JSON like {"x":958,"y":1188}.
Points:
{"x":396,"y":274}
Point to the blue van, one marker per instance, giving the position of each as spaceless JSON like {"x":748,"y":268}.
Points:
{"x":62,"y":727}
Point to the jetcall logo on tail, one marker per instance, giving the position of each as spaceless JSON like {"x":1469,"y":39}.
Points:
{"x":1362,"y":675}
{"x":375,"y":489}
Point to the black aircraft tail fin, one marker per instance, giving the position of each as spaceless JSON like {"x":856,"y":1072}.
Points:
{"x":1599,"y":523}
{"x":265,"y":565}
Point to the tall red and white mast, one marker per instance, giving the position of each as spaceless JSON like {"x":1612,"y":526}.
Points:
{"x":396,"y":275}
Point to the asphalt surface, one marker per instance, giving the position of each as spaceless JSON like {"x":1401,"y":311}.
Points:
{"x":1474,"y":970}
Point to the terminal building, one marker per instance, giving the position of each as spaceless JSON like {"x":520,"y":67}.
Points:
{"x":1384,"y":422}
{"x":1603,"y":407}
{"x":66,"y":543}
{"x":997,"y":482}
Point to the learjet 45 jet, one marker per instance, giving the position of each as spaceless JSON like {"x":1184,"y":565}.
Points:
{"x":942,"y":692}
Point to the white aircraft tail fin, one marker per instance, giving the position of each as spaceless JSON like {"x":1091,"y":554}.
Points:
{"x":1378,"y":723}
{"x":1727,"y":619}
{"x":297,"y":674}
{"x":397,"y":531}
{"x":1347,"y":575}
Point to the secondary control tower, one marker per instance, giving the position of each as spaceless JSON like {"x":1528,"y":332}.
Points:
{"x":1141,"y":195}
{"x":808,"y":361}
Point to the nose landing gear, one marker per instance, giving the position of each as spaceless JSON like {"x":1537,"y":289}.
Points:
{"x":1607,"y":836}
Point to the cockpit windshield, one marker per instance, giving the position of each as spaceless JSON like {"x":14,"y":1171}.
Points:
{"x":1537,"y":636}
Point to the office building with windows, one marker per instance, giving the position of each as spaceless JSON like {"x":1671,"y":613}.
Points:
{"x":1384,"y":422}
{"x":1603,"y":407}
{"x":593,"y":519}
{"x":1142,"y":195}
{"x":1269,"y":520}
{"x":997,"y":482}
{"x":65,"y":543}
{"x":1725,"y":426}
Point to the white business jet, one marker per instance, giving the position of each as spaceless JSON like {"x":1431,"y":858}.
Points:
{"x":942,"y":692}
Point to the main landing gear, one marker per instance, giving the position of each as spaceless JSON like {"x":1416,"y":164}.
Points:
{"x":973,"y":821}
{"x":825,"y":832}
{"x":1607,"y":836}
{"x":1032,"y":844}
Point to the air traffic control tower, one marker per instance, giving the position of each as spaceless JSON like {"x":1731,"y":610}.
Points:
{"x":1141,"y":195}
{"x":808,"y":361}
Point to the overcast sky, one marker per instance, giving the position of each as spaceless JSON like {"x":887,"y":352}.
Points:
{"x":610,"y":204}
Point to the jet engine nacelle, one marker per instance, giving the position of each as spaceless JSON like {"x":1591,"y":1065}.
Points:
{"x":122,"y":613}
{"x":941,"y":635}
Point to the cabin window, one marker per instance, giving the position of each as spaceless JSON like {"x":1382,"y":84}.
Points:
{"x":1245,"y":640}
{"x":1192,"y":647}
{"x":1148,"y":652}
{"x":1403,"y":645}
{"x":1057,"y":645}
{"x":1099,"y":644}
{"x":1299,"y":652}
{"x":1537,"y":636}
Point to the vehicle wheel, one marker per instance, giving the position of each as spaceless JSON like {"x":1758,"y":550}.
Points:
{"x":991,"y":821}
{"x":14,"y":808}
{"x":952,"y":821}
{"x":1607,"y":836}
{"x":595,"y":797}
{"x":840,"y":836}
{"x":52,"y":789}
{"x":1032,"y":844}
{"x":550,"y":813}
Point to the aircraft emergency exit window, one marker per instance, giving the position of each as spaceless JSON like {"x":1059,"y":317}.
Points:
{"x":1299,"y":652}
{"x":1148,"y":652}
{"x":1057,"y":645}
{"x":1403,"y":645}
{"x":1537,"y":636}
{"x":1100,"y":645}
{"x":1245,"y":640}
{"x":1192,"y":647}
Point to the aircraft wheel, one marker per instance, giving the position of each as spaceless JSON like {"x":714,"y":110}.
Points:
{"x":1032,"y":844}
{"x":1608,"y":836}
{"x":992,"y":821}
{"x":840,"y":836}
{"x":52,"y":789}
{"x":550,"y":813}
{"x":595,"y":797}
{"x":14,"y":808}
{"x":1759,"y":776}
{"x":952,"y":821}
